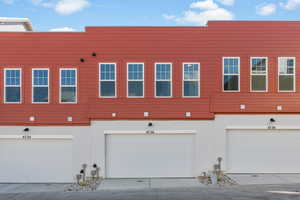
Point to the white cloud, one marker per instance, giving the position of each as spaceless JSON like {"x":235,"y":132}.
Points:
{"x":208,"y":10}
{"x":266,"y":9}
{"x":66,"y":7}
{"x":169,"y":17}
{"x":227,"y":2}
{"x":290,"y":4}
{"x":8,"y":1}
{"x":63,"y":7}
{"x":205,"y":5}
{"x":63,"y":29}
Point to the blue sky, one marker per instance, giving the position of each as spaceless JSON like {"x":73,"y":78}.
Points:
{"x":47,"y":15}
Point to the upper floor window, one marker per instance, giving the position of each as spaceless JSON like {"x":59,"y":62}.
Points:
{"x":191,"y":79}
{"x":286,"y":69}
{"x":68,"y":85}
{"x":135,"y":75}
{"x":107,"y":80}
{"x":163,"y":79}
{"x":12,"y":85}
{"x":259,"y":74}
{"x":231,"y":74}
{"x":40,"y":85}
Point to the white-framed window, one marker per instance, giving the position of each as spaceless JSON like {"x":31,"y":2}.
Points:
{"x":231,"y":74}
{"x":135,"y":80}
{"x":12,"y":85}
{"x":40,"y":85}
{"x":286,"y":74}
{"x":191,"y":79}
{"x":259,"y":74}
{"x":68,"y":85}
{"x":107,"y":80}
{"x":163,"y":80}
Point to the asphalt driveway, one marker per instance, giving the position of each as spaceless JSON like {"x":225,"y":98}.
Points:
{"x":249,"y":192}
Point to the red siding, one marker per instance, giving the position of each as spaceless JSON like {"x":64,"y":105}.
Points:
{"x":206,"y":45}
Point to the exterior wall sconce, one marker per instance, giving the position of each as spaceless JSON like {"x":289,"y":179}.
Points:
{"x":94,"y":54}
{"x":146,"y":114}
{"x":150,"y":124}
{"x":69,"y":119}
{"x":32,"y":118}
{"x":188,"y":114}
{"x":114,"y":114}
{"x":279,"y":108}
{"x":242,"y":107}
{"x":271,"y":124}
{"x":82,"y":60}
{"x":26,"y":129}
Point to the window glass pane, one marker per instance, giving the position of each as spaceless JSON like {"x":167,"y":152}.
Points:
{"x":107,"y":71}
{"x":107,"y":88}
{"x":191,"y":71}
{"x":40,"y":77}
{"x":191,"y":88}
{"x":40,"y":94}
{"x":231,"y":66}
{"x":259,"y":83}
{"x":135,"y":88}
{"x":12,"y":94}
{"x":163,"y":71}
{"x":259,"y":66}
{"x":163,"y":88}
{"x":12,"y":77}
{"x":231,"y":83}
{"x":68,"y":94}
{"x":286,"y":66}
{"x":286,"y":82}
{"x":68,"y":77}
{"x":135,"y":72}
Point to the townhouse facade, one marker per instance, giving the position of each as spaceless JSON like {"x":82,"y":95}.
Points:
{"x":150,"y":101}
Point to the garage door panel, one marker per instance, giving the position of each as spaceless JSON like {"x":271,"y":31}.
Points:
{"x":263,"y":152}
{"x":132,"y":156}
{"x":36,"y":161}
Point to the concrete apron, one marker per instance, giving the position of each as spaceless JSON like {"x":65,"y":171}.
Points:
{"x":265,"y":179}
{"x":147,"y":183}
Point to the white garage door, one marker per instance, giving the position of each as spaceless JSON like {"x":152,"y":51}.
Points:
{"x":132,"y":156}
{"x":38,"y":160}
{"x":265,"y":151}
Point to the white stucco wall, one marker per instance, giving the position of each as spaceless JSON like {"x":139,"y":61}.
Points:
{"x":210,"y":136}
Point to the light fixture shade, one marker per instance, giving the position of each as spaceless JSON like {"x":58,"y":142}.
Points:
{"x":32,"y":118}
{"x":70,"y":119}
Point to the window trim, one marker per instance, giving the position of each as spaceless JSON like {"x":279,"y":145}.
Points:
{"x":294,"y":75}
{"x":267,"y":74}
{"x":99,"y":81}
{"x":76,"y":86}
{"x":143,"y":80}
{"x":171,"y":80}
{"x":21,"y":93}
{"x":198,"y":80}
{"x":32,"y":86}
{"x":239,"y":74}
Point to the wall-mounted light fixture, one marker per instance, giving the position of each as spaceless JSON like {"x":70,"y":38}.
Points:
{"x":279,"y":108}
{"x":69,"y":119}
{"x":114,"y":114}
{"x":242,"y":107}
{"x":26,"y":129}
{"x":82,"y":60}
{"x":188,"y":114}
{"x":150,"y":124}
{"x":94,"y":54}
{"x":271,"y":123}
{"x":146,"y":114}
{"x":32,"y":118}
